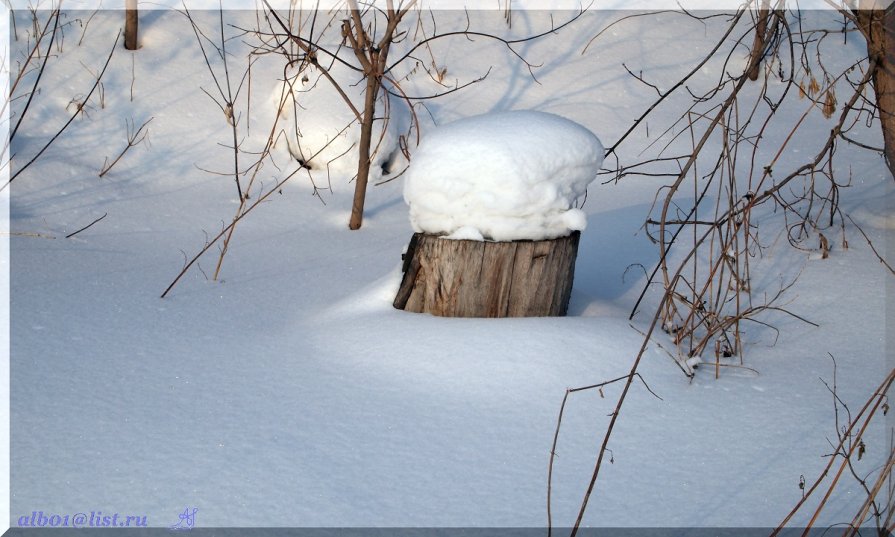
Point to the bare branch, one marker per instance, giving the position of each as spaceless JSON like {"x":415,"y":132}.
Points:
{"x":70,"y":120}
{"x":70,"y":235}
{"x":133,"y":138}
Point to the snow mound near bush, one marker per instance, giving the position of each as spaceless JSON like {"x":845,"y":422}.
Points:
{"x":320,"y":128}
{"x":503,"y":177}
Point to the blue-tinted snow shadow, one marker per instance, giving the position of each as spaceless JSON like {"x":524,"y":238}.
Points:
{"x":521,"y":80}
{"x":383,"y":206}
{"x":611,"y":253}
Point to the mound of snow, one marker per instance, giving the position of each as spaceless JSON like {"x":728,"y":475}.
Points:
{"x":320,"y":128}
{"x":503,"y":177}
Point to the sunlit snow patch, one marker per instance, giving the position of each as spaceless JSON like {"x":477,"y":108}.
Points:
{"x":322,"y":132}
{"x":504,"y":176}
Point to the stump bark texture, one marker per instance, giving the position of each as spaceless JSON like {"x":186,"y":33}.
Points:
{"x":463,"y":278}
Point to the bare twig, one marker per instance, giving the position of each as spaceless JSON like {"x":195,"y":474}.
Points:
{"x":859,"y":424}
{"x":70,"y":235}
{"x":55,"y":17}
{"x":371,"y":50}
{"x":562,"y":407}
{"x":71,"y":119}
{"x":133,"y":138}
{"x":227,"y":229}
{"x":870,"y":243}
{"x":86,"y":24}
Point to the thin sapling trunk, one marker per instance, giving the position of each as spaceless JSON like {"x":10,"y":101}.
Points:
{"x":363,"y":164}
{"x":130,"y":25}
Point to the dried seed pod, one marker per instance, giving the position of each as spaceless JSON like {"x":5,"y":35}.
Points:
{"x":824,"y":247}
{"x":830,"y":104}
{"x":813,"y":87}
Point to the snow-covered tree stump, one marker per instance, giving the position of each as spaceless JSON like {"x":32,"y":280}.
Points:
{"x":494,"y":203}
{"x":468,"y":278}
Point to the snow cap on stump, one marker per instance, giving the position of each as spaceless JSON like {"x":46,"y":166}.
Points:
{"x":503,"y":177}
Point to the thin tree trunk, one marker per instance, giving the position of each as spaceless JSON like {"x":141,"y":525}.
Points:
{"x":366,"y":138}
{"x":373,"y":59}
{"x":878,"y":26}
{"x":758,"y":44}
{"x":130,"y":25}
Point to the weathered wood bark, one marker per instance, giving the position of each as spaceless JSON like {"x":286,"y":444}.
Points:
{"x":878,"y":26}
{"x":460,"y":278}
{"x":130,"y":25}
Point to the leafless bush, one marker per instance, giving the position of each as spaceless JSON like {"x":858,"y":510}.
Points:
{"x":737,"y":178}
{"x":730,"y":182}
{"x":44,"y":43}
{"x":303,"y":39}
{"x":850,"y":447}
{"x":366,"y":48}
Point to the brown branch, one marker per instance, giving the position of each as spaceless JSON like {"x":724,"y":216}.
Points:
{"x":870,"y":407}
{"x":870,"y":243}
{"x":228,"y":228}
{"x":70,"y":120}
{"x":55,"y":16}
{"x":680,"y":83}
{"x":311,"y":50}
{"x":559,"y":423}
{"x":884,"y":474}
{"x":615,"y":414}
{"x":132,"y":140}
{"x":70,"y":235}
{"x":506,"y":42}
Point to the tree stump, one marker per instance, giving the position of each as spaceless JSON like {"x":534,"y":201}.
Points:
{"x":465,"y":278}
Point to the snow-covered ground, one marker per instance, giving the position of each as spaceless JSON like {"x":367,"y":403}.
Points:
{"x":291,"y":393}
